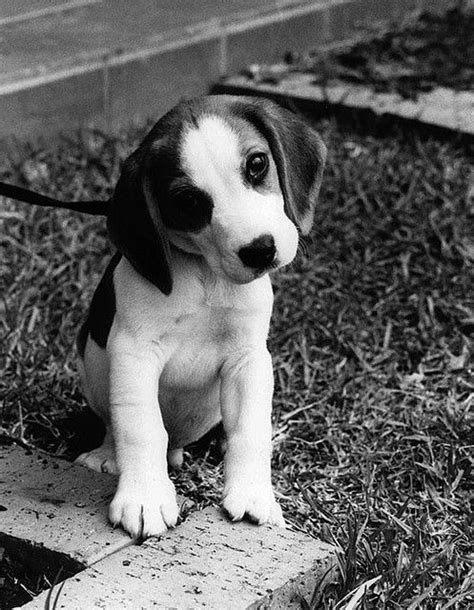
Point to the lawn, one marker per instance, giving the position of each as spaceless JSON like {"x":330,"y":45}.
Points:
{"x":370,"y":340}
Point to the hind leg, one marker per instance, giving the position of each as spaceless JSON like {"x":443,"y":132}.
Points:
{"x":175,"y":458}
{"x":94,"y":373}
{"x":101,"y":459}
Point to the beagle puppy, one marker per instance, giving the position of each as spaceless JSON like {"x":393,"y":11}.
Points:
{"x":175,"y":339}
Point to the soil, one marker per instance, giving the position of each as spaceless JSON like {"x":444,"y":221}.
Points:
{"x":415,"y":56}
{"x":17,"y":584}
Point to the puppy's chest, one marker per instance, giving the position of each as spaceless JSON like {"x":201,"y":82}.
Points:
{"x":197,"y":347}
{"x":194,"y":330}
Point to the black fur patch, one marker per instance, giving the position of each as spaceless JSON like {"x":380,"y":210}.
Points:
{"x":102,"y":310}
{"x":188,"y":209}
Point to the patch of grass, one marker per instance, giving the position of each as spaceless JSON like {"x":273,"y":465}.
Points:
{"x":371,"y":345}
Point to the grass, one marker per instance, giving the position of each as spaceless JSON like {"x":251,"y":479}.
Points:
{"x":371,"y":344}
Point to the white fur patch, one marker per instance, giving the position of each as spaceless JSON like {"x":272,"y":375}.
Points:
{"x":211,"y":154}
{"x":214,"y":157}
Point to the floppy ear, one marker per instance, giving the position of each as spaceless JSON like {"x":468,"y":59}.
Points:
{"x":299,"y":154}
{"x":135,"y":225}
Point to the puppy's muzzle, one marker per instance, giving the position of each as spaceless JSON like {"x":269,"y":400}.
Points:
{"x":259,"y":254}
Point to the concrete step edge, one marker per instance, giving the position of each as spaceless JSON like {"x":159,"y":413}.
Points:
{"x":361,"y":99}
{"x":164,"y":42}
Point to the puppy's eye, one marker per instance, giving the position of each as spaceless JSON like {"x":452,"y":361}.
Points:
{"x":187,"y":202}
{"x":187,"y":210}
{"x":256,"y":167}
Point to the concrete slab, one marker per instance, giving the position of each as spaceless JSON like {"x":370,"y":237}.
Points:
{"x":48,"y":503}
{"x":267,"y":41}
{"x":337,"y":94}
{"x":152,"y":85}
{"x":86,"y":31}
{"x":53,"y":515}
{"x":61,"y":105}
{"x":359,"y":97}
{"x":408,"y":109}
{"x":385,"y":103}
{"x":21,"y":10}
{"x":167,"y":50}
{"x":440,"y":117}
{"x":205,"y":562}
{"x":464,"y":111}
{"x":441,"y":108}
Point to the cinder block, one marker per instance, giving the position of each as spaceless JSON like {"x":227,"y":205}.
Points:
{"x":464,"y":110}
{"x":206,"y":562}
{"x":442,"y":97}
{"x":439,"y":108}
{"x":359,"y":97}
{"x":439,"y":117}
{"x":337,"y":94}
{"x":54,"y":509}
{"x":50,"y":503}
{"x":385,"y":103}
{"x":302,"y":87}
{"x":409,"y":109}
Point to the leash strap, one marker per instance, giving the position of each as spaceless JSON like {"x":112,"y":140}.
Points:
{"x":96,"y":208}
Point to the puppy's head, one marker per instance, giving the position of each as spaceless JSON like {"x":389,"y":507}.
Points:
{"x":228,"y":178}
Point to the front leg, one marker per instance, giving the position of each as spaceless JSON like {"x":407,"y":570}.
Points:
{"x":145,"y":501}
{"x":246,"y":401}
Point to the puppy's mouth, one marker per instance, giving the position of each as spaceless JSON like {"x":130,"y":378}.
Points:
{"x":223,"y":261}
{"x":267,"y":269}
{"x":239,"y":274}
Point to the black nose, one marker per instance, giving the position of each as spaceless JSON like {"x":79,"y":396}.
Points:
{"x":259,"y":254}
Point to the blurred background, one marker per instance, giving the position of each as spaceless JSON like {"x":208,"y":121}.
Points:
{"x":72,"y":63}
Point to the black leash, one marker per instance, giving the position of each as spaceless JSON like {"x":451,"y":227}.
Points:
{"x":96,"y":208}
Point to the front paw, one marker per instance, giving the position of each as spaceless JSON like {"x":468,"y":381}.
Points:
{"x":144,"y":509}
{"x":256,"y":502}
